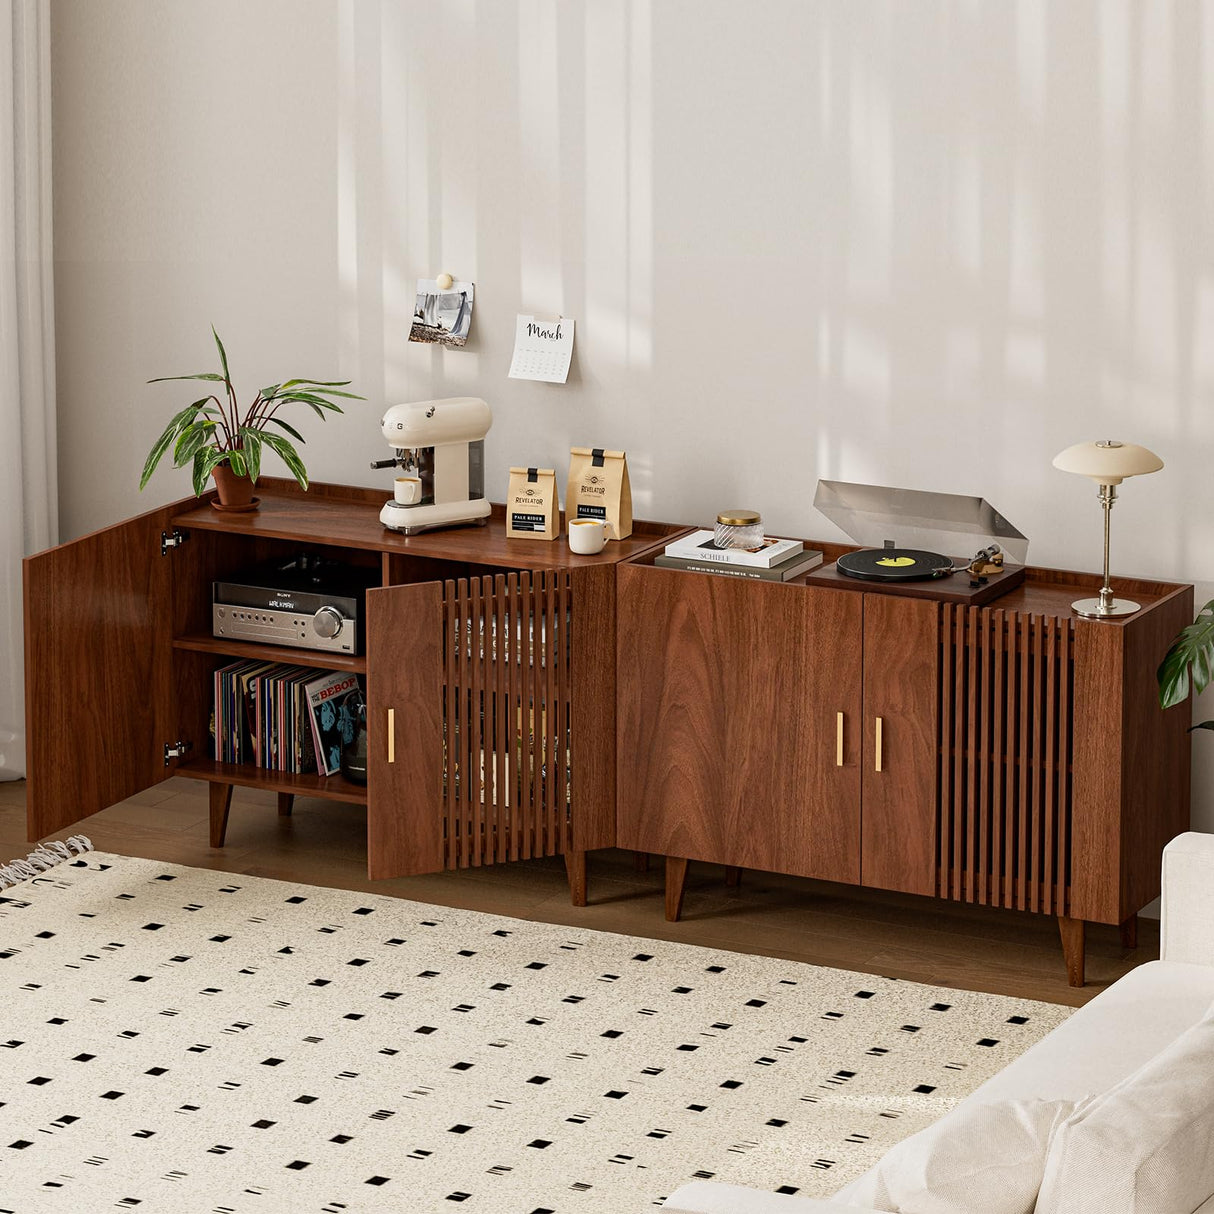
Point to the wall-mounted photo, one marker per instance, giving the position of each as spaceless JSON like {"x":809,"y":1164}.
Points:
{"x":442,"y":316}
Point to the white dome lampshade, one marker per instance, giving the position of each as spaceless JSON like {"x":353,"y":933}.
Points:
{"x":1107,"y":462}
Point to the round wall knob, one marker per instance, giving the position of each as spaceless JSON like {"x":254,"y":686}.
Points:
{"x":327,"y":622}
{"x":444,"y":282}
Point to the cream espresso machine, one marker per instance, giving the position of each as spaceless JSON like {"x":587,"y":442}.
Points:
{"x":440,"y":444}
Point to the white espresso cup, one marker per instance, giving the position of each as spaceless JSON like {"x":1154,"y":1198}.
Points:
{"x":587,"y":535}
{"x":408,"y":490}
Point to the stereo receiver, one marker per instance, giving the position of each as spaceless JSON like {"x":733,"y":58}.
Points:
{"x":309,"y":602}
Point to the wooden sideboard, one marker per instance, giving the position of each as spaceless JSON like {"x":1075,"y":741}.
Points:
{"x":524,"y":701}
{"x":493,"y":660}
{"x":1010,"y":755}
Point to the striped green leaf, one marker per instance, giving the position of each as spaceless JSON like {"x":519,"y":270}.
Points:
{"x":171,"y":431}
{"x":288,"y":455}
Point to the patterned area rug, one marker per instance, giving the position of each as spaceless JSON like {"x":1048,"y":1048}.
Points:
{"x":182,"y":1039}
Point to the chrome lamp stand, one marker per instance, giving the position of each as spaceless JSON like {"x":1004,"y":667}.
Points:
{"x":1105,"y":606}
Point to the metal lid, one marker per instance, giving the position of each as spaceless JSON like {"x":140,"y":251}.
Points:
{"x":739,"y":518}
{"x":948,"y":523}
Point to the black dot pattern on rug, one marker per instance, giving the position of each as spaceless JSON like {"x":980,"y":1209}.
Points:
{"x":266,"y":1045}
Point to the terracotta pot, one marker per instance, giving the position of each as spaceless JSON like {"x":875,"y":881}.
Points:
{"x":234,"y":491}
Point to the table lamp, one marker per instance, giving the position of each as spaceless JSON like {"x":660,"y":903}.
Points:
{"x":1108,"y":463}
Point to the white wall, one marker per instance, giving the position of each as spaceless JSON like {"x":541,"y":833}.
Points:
{"x":927,"y":244}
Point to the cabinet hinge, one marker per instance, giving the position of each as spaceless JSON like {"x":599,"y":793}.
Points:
{"x":176,"y":750}
{"x":172,"y":539}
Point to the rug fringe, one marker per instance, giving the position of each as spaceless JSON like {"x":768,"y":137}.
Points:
{"x":44,"y":856}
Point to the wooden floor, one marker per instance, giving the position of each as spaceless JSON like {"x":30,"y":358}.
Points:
{"x":323,"y":843}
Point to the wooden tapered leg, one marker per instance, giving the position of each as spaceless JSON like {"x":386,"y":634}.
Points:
{"x":1129,"y":932}
{"x":221,"y":802}
{"x":286,"y":802}
{"x":1072,"y":933}
{"x":733,"y":876}
{"x":676,"y":880}
{"x":640,"y":861}
{"x":575,"y":873}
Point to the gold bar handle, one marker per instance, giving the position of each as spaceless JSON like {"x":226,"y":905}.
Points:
{"x":838,"y":739}
{"x":391,"y":735}
{"x":877,"y":766}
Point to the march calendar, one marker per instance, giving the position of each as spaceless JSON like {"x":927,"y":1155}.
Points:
{"x":543,"y":347}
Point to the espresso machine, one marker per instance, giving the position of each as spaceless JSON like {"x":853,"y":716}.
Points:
{"x":440,"y":446}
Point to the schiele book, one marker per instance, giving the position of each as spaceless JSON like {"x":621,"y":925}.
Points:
{"x":701,"y":546}
{"x":792,"y":567}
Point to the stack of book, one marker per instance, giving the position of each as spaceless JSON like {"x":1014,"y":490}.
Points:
{"x":286,"y":718}
{"x":774,"y":560}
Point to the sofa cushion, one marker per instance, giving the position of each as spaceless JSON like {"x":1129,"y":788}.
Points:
{"x":987,"y":1157}
{"x":1104,"y":1041}
{"x":1110,"y":1037}
{"x":1146,"y":1146}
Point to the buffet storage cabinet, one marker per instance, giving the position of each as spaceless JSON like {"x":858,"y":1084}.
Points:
{"x":1009,"y":755}
{"x":524,"y":701}
{"x":489,"y":666}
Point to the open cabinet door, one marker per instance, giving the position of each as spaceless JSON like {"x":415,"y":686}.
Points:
{"x":404,"y":730}
{"x":97,"y":670}
{"x":469,"y":721}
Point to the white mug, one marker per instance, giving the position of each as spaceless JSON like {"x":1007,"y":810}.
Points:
{"x":587,"y":535}
{"x":408,"y":490}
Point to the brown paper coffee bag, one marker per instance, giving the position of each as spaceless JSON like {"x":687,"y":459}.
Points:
{"x":531,"y":504}
{"x":598,"y":488}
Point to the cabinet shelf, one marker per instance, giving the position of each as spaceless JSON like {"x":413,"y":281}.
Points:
{"x":245,"y":775}
{"x":199,"y":642}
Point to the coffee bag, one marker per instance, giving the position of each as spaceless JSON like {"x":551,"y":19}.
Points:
{"x":598,"y":488}
{"x":531,"y":504}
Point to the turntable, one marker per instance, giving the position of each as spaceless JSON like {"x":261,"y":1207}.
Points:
{"x":920,"y":522}
{"x":890,"y":564}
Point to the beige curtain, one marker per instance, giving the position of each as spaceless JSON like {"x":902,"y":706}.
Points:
{"x":28,"y":482}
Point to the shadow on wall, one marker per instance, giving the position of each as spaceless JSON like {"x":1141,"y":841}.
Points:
{"x":926,"y":245}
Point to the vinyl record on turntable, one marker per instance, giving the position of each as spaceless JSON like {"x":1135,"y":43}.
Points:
{"x":894,"y":565}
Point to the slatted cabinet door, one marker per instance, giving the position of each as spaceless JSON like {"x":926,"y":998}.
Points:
{"x":97,"y":670}
{"x":470,"y":726}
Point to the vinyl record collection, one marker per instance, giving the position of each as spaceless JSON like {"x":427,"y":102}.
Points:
{"x":530,"y":761}
{"x":282,"y":717}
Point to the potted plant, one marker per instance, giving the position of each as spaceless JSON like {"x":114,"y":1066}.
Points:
{"x":225,"y":441}
{"x":1189,"y":661}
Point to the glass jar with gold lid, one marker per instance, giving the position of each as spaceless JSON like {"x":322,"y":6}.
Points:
{"x":738,"y":529}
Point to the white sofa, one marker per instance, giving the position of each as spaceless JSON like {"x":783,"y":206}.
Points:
{"x":1102,"y":1043}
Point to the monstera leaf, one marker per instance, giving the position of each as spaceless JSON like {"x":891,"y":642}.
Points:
{"x":1189,"y":662}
